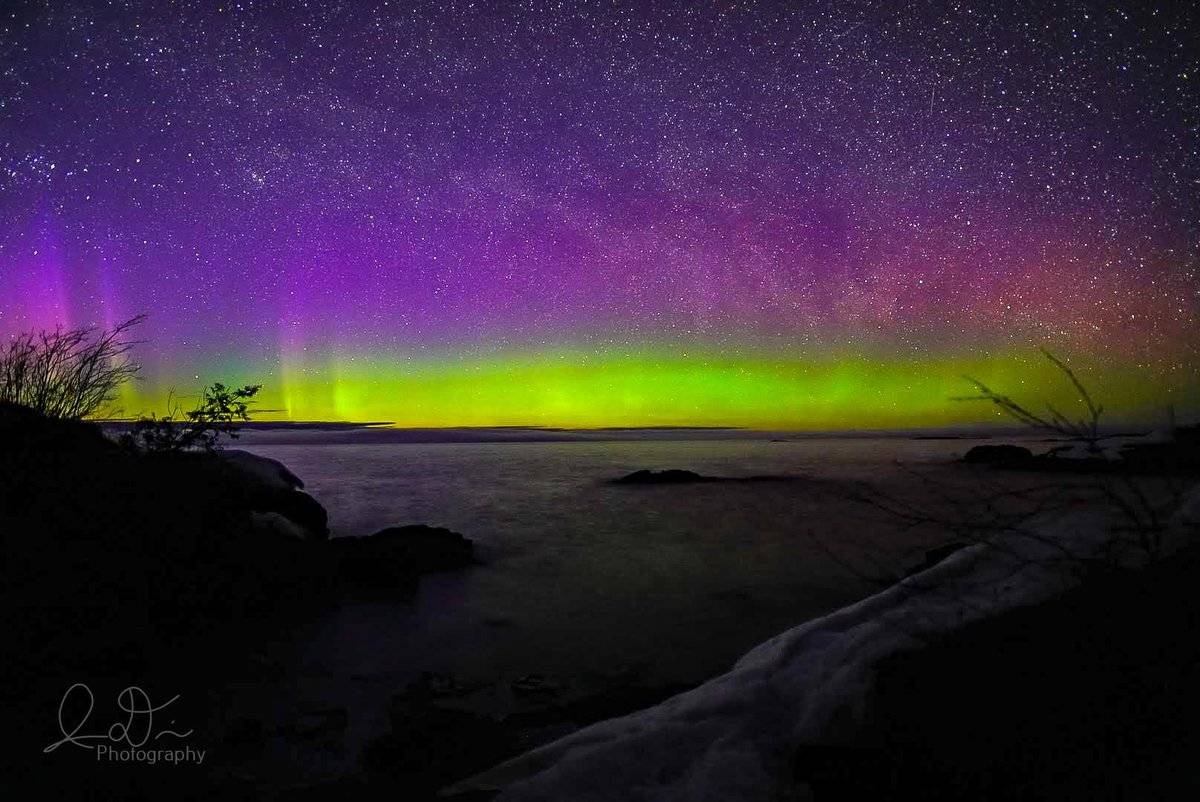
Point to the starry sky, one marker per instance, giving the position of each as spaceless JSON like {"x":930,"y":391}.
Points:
{"x":783,"y":215}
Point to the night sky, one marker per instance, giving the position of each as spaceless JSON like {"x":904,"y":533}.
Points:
{"x":778,"y":215}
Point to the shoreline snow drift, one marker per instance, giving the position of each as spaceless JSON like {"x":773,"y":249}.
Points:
{"x":733,"y":737}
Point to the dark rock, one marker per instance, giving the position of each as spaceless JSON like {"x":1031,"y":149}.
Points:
{"x":1003,"y":455}
{"x":275,"y":525}
{"x":671,"y":476}
{"x":394,"y":556}
{"x":297,"y":506}
{"x":164,"y":540}
{"x":264,"y":471}
{"x":270,"y":487}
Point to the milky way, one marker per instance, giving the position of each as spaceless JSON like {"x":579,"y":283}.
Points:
{"x":614,"y":213}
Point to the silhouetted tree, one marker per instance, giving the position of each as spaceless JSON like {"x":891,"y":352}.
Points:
{"x":984,"y":508}
{"x":67,"y":373}
{"x":1086,"y":428}
{"x":218,"y":414}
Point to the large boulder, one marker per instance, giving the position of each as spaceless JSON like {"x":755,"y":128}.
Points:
{"x":671,"y":476}
{"x":270,"y":487}
{"x":178,"y":542}
{"x":299,"y":507}
{"x":1003,"y":455}
{"x":676,"y":476}
{"x":394,"y":557}
{"x":267,"y":472}
{"x":276,"y":525}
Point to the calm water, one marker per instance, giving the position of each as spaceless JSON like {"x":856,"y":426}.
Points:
{"x":677,"y":580}
{"x":582,"y":579}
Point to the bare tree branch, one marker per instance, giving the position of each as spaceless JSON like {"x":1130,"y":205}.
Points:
{"x":68,"y":373}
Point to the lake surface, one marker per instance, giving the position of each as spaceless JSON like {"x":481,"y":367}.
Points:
{"x":582,"y":580}
{"x":647,"y":575}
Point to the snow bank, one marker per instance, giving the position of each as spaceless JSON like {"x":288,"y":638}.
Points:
{"x":733,"y":738}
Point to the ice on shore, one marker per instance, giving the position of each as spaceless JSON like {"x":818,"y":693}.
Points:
{"x":733,"y":738}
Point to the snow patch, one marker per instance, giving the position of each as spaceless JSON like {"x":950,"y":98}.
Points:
{"x":733,"y":738}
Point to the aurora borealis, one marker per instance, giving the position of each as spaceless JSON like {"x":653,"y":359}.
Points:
{"x":611,"y":214}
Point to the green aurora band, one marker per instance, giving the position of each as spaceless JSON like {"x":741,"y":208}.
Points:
{"x":661,"y":387}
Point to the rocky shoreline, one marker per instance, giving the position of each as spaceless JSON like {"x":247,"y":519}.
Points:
{"x":127,"y":565}
{"x":1160,"y":453}
{"x":123,"y":566}
{"x":132,"y":565}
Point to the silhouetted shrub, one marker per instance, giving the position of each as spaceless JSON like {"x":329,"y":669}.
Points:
{"x":1086,"y":428}
{"x":220,"y":410}
{"x":67,"y":373}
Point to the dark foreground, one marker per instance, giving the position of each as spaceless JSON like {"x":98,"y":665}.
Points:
{"x":168,"y":574}
{"x":121,"y":567}
{"x":1094,"y":696}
